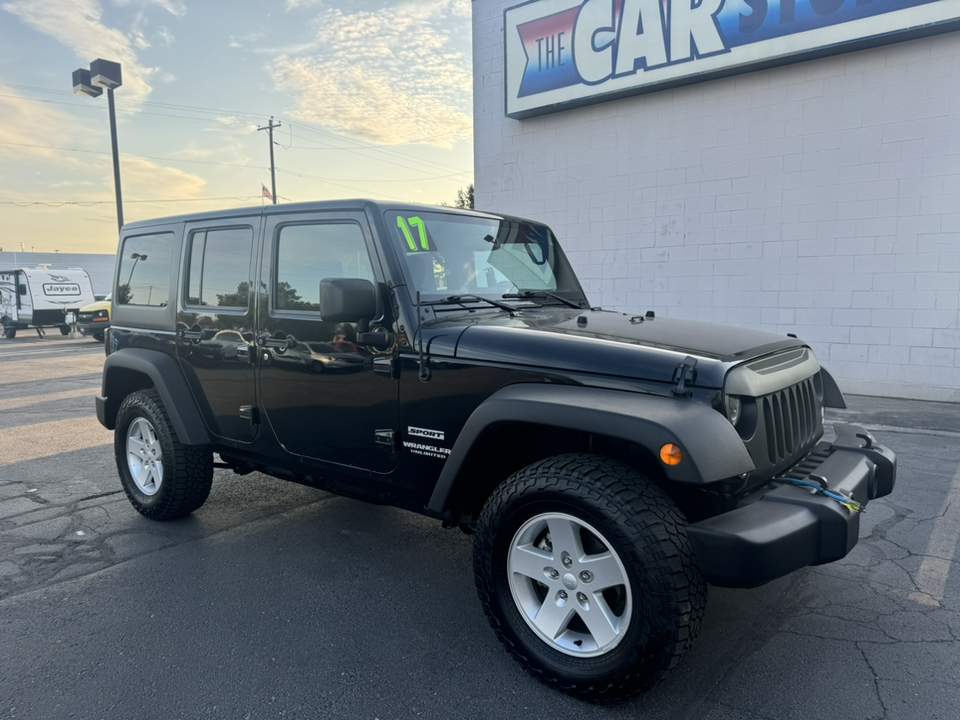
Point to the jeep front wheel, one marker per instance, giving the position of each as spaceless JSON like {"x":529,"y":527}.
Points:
{"x":163,"y":478}
{"x":585,"y":572}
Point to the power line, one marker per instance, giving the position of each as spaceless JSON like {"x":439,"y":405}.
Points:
{"x":145,"y":157}
{"x":99,"y":108}
{"x":90,"y":203}
{"x":137,"y":103}
{"x":331,"y":182}
{"x":239,"y":165}
{"x":360,"y":145}
{"x":357,"y":144}
{"x":355,"y":151}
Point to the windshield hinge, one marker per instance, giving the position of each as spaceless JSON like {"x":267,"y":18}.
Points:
{"x":685,"y":373}
{"x":385,"y":367}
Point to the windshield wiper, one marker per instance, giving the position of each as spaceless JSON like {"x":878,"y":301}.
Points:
{"x":463,"y":299}
{"x":527,"y":294}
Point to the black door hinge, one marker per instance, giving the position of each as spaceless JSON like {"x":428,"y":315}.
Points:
{"x":250,"y":414}
{"x":387,"y":439}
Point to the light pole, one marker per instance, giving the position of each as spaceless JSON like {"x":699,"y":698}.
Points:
{"x":136,"y":257}
{"x":104,"y":74}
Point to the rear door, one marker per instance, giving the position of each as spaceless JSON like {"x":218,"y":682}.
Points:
{"x":215,"y":323}
{"x":319,"y":388}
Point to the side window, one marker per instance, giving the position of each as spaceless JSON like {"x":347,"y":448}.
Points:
{"x":218,"y":271}
{"x":144,"y":275}
{"x":307,"y":254}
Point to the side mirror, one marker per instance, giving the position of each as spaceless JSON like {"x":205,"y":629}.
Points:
{"x":347,"y":300}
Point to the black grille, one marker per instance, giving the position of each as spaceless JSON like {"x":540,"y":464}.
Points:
{"x":791,"y":419}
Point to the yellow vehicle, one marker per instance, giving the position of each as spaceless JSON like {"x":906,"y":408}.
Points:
{"x":94,"y":319}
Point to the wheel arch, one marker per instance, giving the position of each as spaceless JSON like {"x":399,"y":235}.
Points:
{"x":133,"y":369}
{"x":524,"y":423}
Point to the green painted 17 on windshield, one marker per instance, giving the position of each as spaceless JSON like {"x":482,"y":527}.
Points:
{"x":417,"y":223}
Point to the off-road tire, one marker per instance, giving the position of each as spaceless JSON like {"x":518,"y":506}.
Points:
{"x":187,"y":469}
{"x":644,"y":529}
{"x":9,"y":333}
{"x":64,"y":329}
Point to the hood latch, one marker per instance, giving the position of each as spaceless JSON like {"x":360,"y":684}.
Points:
{"x":685,"y":373}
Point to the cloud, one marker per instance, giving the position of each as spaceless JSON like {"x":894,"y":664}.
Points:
{"x":294,"y":4}
{"x":32,"y":134}
{"x":177,"y":8}
{"x":390,"y":76}
{"x":145,"y":179}
{"x":233,"y":124}
{"x":77,"y":25}
{"x":28,"y":122}
{"x":245,"y":40}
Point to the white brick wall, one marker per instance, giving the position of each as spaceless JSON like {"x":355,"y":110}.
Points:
{"x":820,"y":198}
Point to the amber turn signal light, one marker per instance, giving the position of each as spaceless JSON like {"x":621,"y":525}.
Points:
{"x":671,"y":454}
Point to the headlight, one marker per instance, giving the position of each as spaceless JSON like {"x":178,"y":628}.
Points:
{"x":734,"y":408}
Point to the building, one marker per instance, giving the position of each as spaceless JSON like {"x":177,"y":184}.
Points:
{"x":814,"y":191}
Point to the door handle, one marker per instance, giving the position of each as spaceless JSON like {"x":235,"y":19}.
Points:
{"x":279,"y":344}
{"x":196,"y":333}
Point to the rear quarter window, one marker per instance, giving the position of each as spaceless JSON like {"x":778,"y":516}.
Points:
{"x":143,"y":274}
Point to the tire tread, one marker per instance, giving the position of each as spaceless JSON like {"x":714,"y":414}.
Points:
{"x":654,"y":530}
{"x":188,"y":469}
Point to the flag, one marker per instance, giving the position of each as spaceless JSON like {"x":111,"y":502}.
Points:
{"x":266,"y":193}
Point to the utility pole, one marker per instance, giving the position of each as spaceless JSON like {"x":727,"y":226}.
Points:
{"x":273,"y":171}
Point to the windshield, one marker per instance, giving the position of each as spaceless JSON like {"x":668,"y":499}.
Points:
{"x":446,"y":254}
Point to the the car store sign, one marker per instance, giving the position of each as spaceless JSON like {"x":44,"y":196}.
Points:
{"x":562,"y":53}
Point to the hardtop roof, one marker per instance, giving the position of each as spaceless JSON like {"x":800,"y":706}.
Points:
{"x":355,"y":204}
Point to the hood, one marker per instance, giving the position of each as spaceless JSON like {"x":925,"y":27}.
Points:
{"x":616,"y":344}
{"x":93,"y":307}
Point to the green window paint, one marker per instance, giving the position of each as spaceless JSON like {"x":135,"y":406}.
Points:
{"x":408,"y":236}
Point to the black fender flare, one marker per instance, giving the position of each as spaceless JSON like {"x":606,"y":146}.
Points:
{"x":712,"y":449}
{"x":832,"y":395}
{"x":168,"y":380}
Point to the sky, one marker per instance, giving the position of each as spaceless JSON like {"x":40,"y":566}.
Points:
{"x":373,"y":97}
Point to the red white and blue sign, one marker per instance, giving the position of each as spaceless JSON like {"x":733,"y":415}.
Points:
{"x":563,"y":53}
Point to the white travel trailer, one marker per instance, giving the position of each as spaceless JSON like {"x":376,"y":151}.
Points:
{"x":41,"y":297}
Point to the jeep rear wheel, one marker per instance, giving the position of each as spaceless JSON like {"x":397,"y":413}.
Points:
{"x":585,"y":572}
{"x":163,"y":478}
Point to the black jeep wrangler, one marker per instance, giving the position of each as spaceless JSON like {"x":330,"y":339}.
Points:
{"x":448,"y":362}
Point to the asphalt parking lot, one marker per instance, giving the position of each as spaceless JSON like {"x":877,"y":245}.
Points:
{"x":276,"y":600}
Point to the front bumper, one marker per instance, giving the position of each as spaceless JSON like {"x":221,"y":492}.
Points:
{"x":92,"y":328}
{"x":782,"y":528}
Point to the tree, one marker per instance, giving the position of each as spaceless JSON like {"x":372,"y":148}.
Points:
{"x":241,"y":298}
{"x":124,"y":296}
{"x":465,"y":198}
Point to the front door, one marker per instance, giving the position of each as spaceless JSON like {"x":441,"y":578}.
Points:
{"x":215,"y":325}
{"x":318,"y":388}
